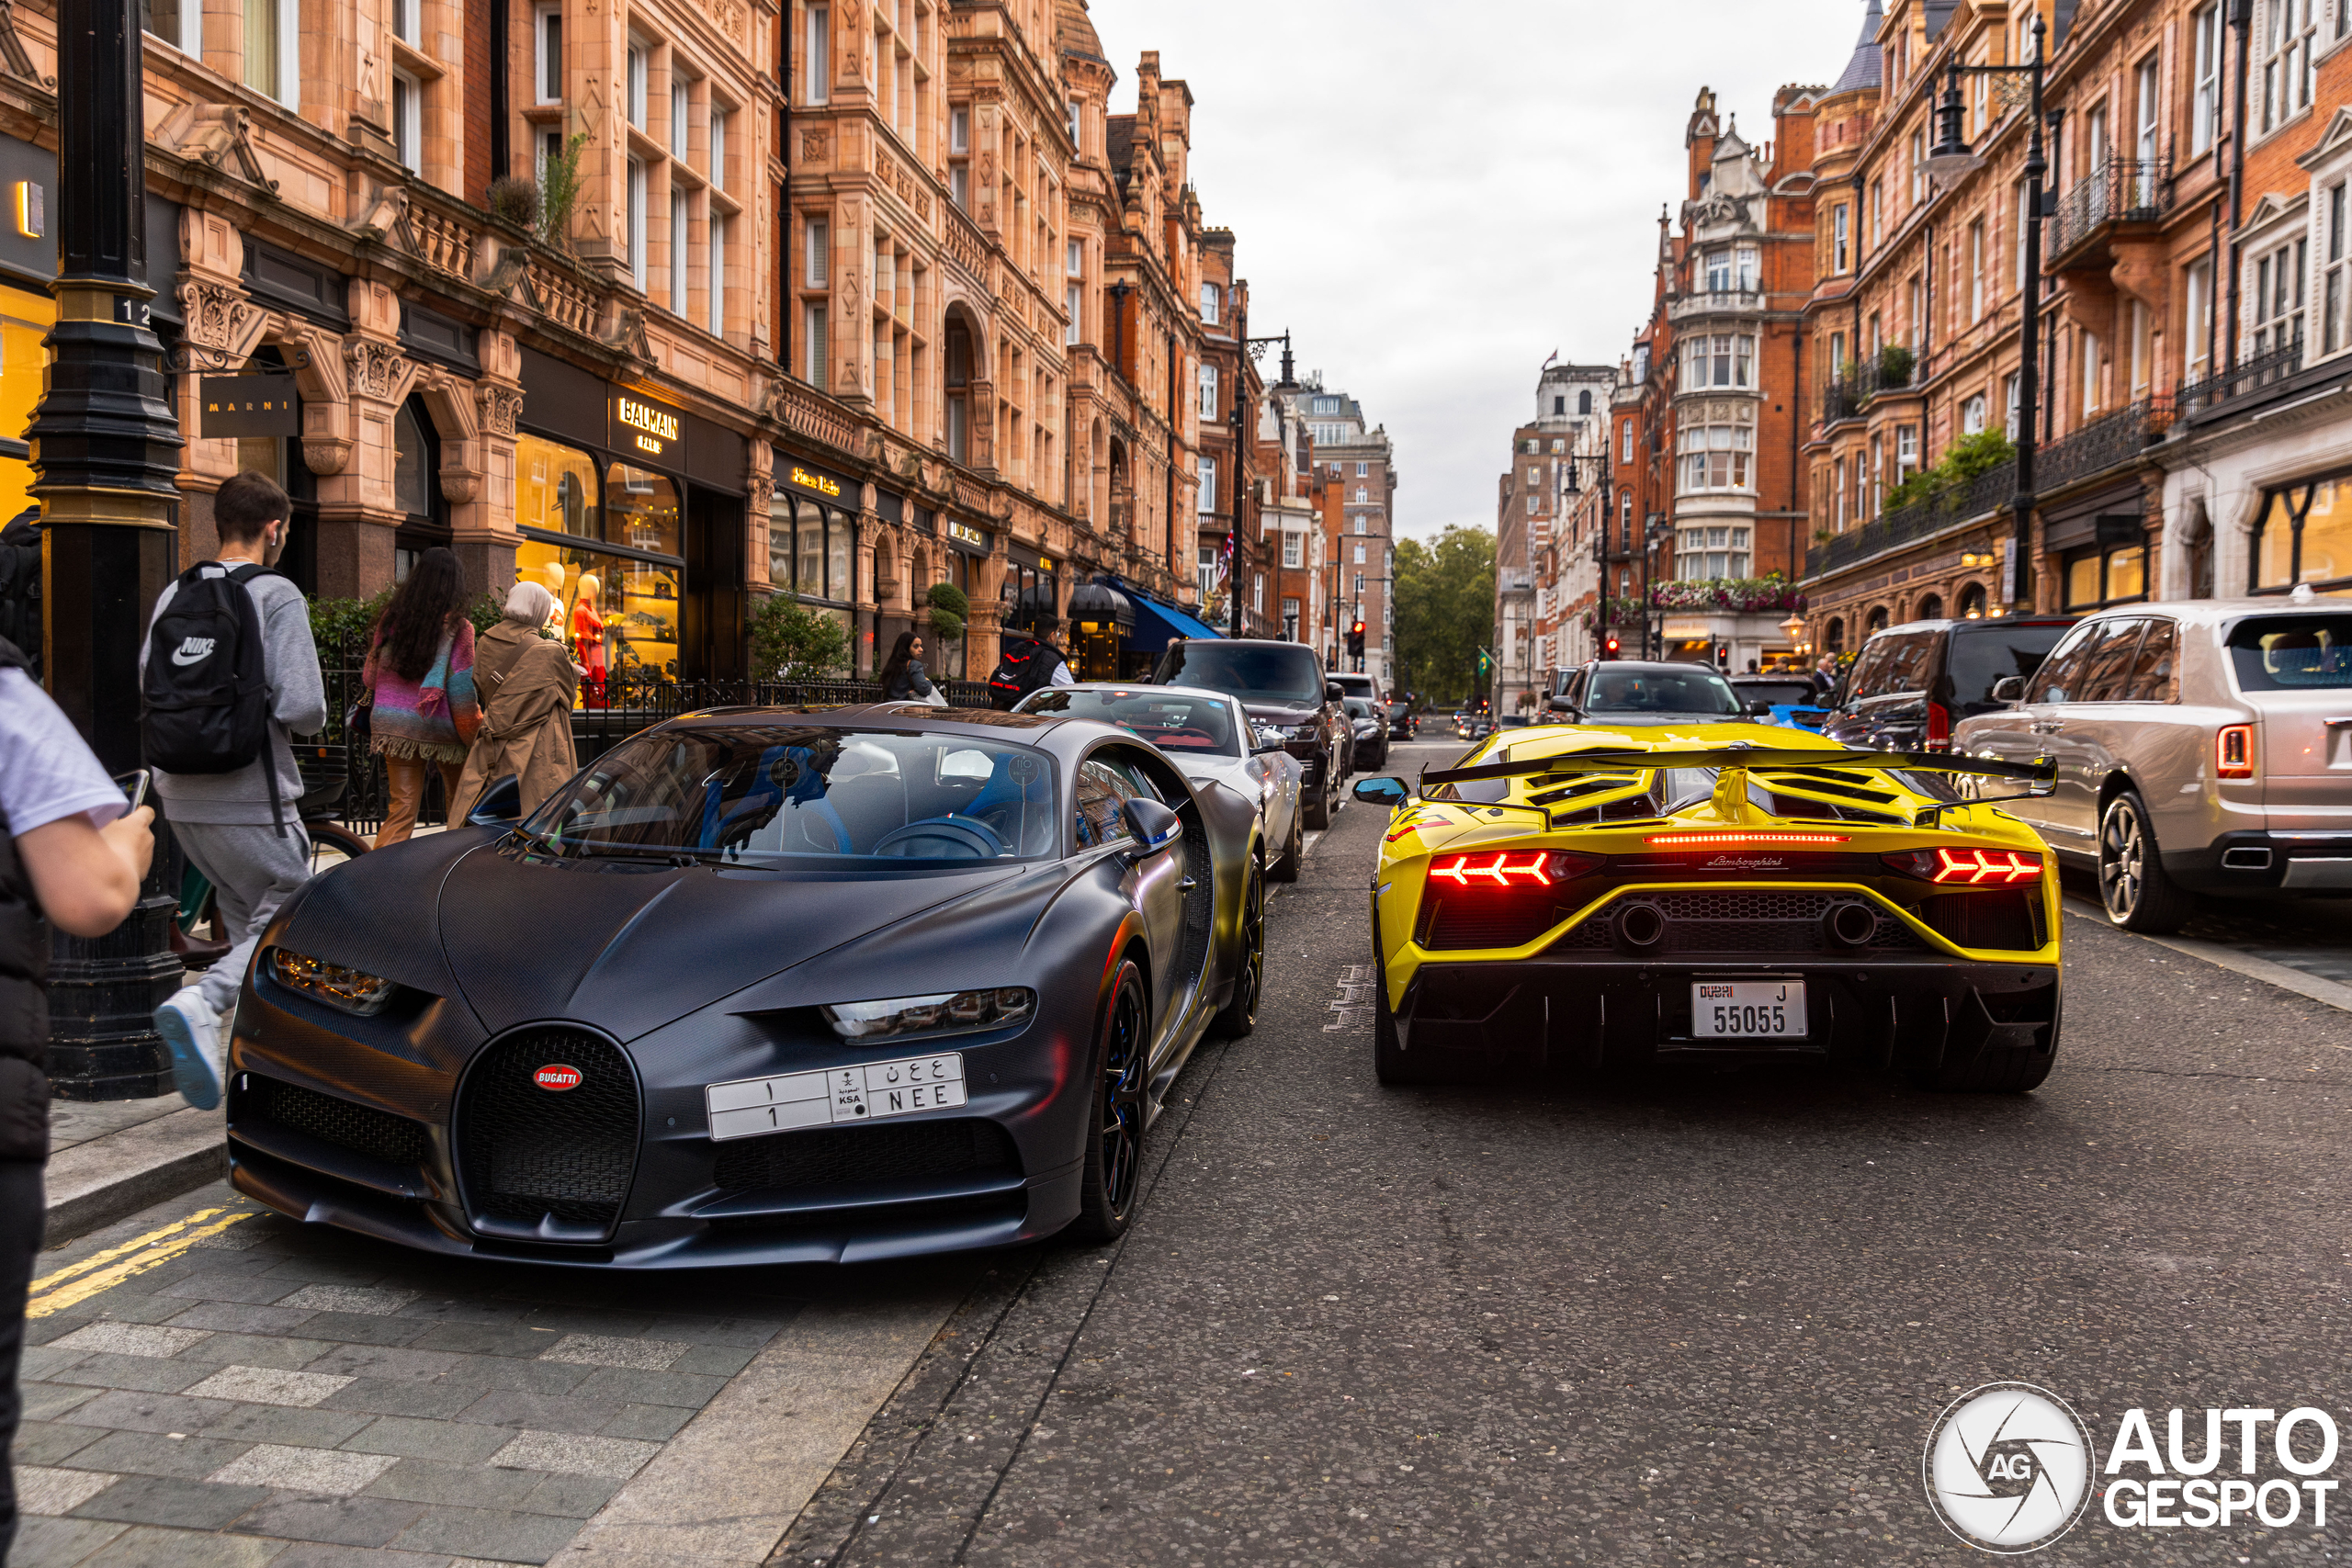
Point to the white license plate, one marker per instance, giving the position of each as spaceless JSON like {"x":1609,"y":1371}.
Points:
{"x":1746,"y":1009}
{"x":867,"y":1093}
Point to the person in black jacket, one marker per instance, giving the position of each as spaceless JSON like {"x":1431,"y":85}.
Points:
{"x":70,"y":857}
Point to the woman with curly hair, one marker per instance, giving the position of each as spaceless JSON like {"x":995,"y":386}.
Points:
{"x":420,"y":667}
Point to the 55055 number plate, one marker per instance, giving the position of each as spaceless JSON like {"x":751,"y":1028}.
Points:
{"x":1748,"y":1009}
{"x":868,"y":1092}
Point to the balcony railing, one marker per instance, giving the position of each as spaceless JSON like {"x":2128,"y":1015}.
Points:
{"x":1851,"y":393}
{"x":2121,"y":190}
{"x":2106,"y":443}
{"x":1988,"y":492}
{"x":1717,"y":302}
{"x":2263,"y":371}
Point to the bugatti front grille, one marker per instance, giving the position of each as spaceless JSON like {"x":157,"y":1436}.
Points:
{"x":855,"y":1157}
{"x":1731,"y":923}
{"x":359,"y":1128}
{"x":547,"y":1161}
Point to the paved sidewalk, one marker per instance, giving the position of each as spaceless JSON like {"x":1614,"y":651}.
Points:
{"x":112,"y":1158}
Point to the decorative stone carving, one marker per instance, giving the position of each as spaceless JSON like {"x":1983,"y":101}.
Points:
{"x":461,"y":485}
{"x":220,"y":136}
{"x":13,"y":52}
{"x":377,"y":369}
{"x":219,"y":314}
{"x":816,"y":147}
{"x":501,"y":406}
{"x":326,"y":455}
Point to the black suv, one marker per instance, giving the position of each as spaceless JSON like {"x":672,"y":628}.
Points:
{"x":1614,"y":692}
{"x":1911,"y":683}
{"x":1282,"y":686}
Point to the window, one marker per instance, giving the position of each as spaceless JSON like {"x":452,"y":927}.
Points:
{"x":2147,"y":103}
{"x":1841,"y":239}
{"x":1715,"y":456}
{"x":960,"y":166}
{"x":1748,"y":267}
{"x":812,"y":341}
{"x":1211,"y":298}
{"x":1206,"y":567}
{"x":1294,"y":549}
{"x":2205,"y":96}
{"x":637,"y":73}
{"x":2016,"y":233}
{"x":678,"y":278}
{"x":408,"y":121}
{"x":1972,"y":415}
{"x":1918,"y":166}
{"x":1976,"y":270}
{"x":2144,"y":349}
{"x":1719,"y":272}
{"x":958,"y":357}
{"x":717,"y":297}
{"x":2097,"y":577}
{"x":1906,"y":452}
{"x":2278,"y":297}
{"x":2088,"y":348}
{"x":1713,"y":552}
{"x":2012,"y":394}
{"x":2305,"y":534}
{"x":1364,"y":470}
{"x":1074,"y":305}
{"x":1723,"y":359}
{"x":1535,"y":475}
{"x":1211,"y":405}
{"x":2286,"y":50}
{"x":1531,"y":505}
{"x":1070,"y":119}
{"x":1363,"y":496}
{"x":819,"y":55}
{"x":1878,"y":191}
{"x":273,"y":48}
{"x":179,"y":23}
{"x":1625,"y":442}
{"x":1207,"y":502}
{"x":2334,"y":282}
{"x":2197,"y":292}
{"x":635,"y":221}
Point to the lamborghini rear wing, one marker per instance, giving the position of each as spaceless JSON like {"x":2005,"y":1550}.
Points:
{"x":2043,"y":772}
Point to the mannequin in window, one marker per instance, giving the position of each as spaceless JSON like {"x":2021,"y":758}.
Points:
{"x":588,"y":640}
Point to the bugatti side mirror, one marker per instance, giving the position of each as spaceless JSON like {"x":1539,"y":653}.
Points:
{"x":1334,"y":692}
{"x":1390,"y":792}
{"x":1155,"y":828}
{"x":501,"y":805}
{"x":2009,"y":689}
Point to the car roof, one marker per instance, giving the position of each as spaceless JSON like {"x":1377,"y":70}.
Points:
{"x":2218,"y":612}
{"x":1657,"y":664}
{"x":1138,"y":687}
{"x":1029,"y":728}
{"x":1982,"y":623}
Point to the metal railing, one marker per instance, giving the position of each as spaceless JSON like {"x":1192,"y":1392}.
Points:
{"x":1988,"y":492}
{"x":2121,"y":190}
{"x":1850,"y":394}
{"x":2105,"y":442}
{"x":2263,"y":371}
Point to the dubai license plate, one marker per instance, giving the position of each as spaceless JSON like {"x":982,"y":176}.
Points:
{"x":1746,"y":1009}
{"x":869,"y":1092}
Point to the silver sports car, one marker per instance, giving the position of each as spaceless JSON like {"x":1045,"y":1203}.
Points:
{"x":1209,"y":736}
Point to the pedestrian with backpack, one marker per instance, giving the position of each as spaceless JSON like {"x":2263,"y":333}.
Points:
{"x":1029,"y":662}
{"x":423,"y":711}
{"x":228,"y":675}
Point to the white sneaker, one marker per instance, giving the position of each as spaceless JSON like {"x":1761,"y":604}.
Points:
{"x":193,"y":1033}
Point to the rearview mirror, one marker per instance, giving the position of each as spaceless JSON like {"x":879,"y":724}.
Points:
{"x":1154,"y":827}
{"x":1390,"y":792}
{"x":1760,"y":708}
{"x":1334,"y":692}
{"x":501,"y":805}
{"x":1560,"y":705}
{"x":2009,"y":689}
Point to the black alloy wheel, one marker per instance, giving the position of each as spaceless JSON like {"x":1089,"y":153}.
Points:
{"x":1294,"y":858}
{"x":331,"y":845}
{"x":1239,"y":1015}
{"x":2132,"y":881}
{"x":1113,"y":1171}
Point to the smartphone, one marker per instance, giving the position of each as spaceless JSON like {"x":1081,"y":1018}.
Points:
{"x":134,"y":786}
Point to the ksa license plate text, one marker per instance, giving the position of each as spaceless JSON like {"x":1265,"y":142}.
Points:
{"x":865,"y":1093}
{"x":1746,"y":1009}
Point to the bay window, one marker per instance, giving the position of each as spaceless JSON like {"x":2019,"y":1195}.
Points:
{"x":1715,"y":456}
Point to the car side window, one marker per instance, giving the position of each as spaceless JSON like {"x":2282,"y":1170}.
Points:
{"x":1894,"y":664}
{"x":2152,"y":668}
{"x":2107,"y":668}
{"x":1100,"y":795}
{"x":2055,"y":681}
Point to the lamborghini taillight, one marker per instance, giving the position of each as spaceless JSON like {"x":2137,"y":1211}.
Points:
{"x":1511,"y":869}
{"x":2234,"y":751}
{"x":1970,"y":867}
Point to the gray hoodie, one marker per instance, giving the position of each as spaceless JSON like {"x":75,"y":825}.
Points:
{"x":298,"y":705}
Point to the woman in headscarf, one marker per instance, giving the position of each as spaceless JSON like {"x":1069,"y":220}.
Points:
{"x":527,"y":684}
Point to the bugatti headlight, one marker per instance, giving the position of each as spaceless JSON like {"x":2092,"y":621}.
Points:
{"x":948,"y":1013}
{"x":342,"y":988}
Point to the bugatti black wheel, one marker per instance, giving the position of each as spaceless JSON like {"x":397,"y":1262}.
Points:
{"x":1113,"y":1171}
{"x":1316,"y":808}
{"x":1239,"y":1016}
{"x":1294,"y":852}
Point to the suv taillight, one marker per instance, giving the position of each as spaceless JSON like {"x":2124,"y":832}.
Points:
{"x":1938,"y":726}
{"x":2234,"y":751}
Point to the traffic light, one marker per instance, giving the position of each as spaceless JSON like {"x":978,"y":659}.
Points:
{"x":1610,"y":648}
{"x":1355,"y":640}
{"x":1722,"y":656}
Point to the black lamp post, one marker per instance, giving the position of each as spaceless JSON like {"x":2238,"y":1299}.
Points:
{"x":1253,"y":346}
{"x":1950,"y":158}
{"x":1600,"y":534}
{"x":1655,"y":531}
{"x":106,"y":449}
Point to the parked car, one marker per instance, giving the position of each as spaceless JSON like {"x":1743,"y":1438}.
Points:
{"x":1356,"y":684}
{"x":1209,"y":736}
{"x":831,"y":985}
{"x":1281,"y":685}
{"x":1370,"y":734}
{"x":1787,"y":701}
{"x":1403,"y":724}
{"x":1620,"y":692}
{"x":1911,"y":683}
{"x":2203,"y":746}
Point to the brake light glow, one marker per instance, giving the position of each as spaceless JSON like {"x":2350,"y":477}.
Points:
{"x":1737,"y":840}
{"x":1977,"y":867}
{"x":1939,"y":728}
{"x":1467,"y":871}
{"x":2234,"y":751}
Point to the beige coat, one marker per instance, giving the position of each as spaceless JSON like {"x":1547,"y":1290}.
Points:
{"x":528,"y":685}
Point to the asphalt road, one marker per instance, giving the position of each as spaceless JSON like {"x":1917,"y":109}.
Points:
{"x":1679,"y":1318}
{"x":1694,"y":1317}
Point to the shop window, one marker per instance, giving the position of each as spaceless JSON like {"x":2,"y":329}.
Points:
{"x":2305,"y":536}
{"x":25,"y":320}
{"x":2097,"y":576}
{"x":810,"y":550}
{"x":1972,"y":601}
{"x":610,"y":554}
{"x":416,"y":489}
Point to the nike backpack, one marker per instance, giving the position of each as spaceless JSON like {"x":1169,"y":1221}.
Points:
{"x":1018,"y":674}
{"x":204,"y":699}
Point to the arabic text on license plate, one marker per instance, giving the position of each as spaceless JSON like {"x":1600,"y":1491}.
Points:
{"x":1746,"y":1009}
{"x":868,"y":1092}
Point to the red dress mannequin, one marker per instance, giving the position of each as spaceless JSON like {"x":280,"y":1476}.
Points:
{"x":588,"y":642}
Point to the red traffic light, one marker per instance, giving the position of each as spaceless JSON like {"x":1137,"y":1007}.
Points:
{"x":1610,"y":648}
{"x":1356,"y":630}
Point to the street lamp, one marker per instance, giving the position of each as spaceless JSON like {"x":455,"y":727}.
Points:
{"x":1950,"y":158}
{"x":1600,"y":534}
{"x":1252,"y":346}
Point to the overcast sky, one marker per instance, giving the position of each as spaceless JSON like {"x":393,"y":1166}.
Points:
{"x":1433,"y":199}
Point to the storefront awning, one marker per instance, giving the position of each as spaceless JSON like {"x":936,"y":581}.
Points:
{"x":1155,"y":623}
{"x":1099,"y":604}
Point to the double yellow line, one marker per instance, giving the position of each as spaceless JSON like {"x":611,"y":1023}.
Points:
{"x":77,"y":1283}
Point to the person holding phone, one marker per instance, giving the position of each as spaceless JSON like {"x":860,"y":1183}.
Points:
{"x":72,"y":853}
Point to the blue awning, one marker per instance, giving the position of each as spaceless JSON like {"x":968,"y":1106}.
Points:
{"x":1157,"y":622}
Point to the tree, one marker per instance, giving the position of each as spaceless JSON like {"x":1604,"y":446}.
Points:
{"x":791,"y":643}
{"x":1445,"y":610}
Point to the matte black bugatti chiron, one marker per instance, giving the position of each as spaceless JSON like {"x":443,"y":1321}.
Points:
{"x":758,"y":985}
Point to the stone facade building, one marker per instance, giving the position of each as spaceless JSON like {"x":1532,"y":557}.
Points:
{"x":1533,"y":494}
{"x":1356,"y":464}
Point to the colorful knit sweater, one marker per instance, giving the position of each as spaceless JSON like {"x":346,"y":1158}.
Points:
{"x":433,"y":718}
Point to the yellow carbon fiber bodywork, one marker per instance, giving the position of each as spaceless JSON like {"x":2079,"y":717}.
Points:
{"x":1421,"y":829}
